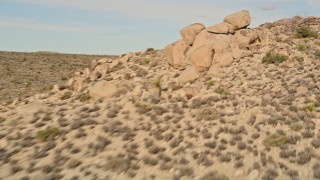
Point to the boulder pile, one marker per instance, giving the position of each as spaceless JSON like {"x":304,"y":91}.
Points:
{"x":204,"y":50}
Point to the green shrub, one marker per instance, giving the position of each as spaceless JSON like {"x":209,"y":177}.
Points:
{"x":48,"y":134}
{"x":210,"y":83}
{"x":302,"y":47}
{"x":83,"y":97}
{"x":274,"y":58}
{"x":150,"y":49}
{"x":306,"y":32}
{"x":296,"y":126}
{"x":275,"y":140}
{"x":317,"y":53}
{"x":66,"y":95}
{"x":157,"y":84}
{"x":207,"y":114}
{"x":222,"y":91}
{"x":311,"y":107}
{"x":214,"y":175}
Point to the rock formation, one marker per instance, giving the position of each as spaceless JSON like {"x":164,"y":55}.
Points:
{"x":213,"y":47}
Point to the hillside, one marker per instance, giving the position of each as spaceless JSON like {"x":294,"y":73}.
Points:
{"x":25,"y":74}
{"x":223,"y":102}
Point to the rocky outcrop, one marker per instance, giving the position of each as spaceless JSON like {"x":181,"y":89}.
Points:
{"x":213,"y":47}
{"x":239,"y":20}
{"x":190,"y":32}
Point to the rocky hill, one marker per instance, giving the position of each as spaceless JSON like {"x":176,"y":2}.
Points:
{"x":224,"y":102}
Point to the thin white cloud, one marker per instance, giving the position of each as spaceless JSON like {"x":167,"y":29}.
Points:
{"x":179,"y":10}
{"x":23,"y":23}
{"x":268,"y":7}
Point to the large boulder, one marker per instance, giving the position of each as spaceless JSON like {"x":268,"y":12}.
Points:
{"x":223,"y":60}
{"x":189,"y":74}
{"x":221,"y":43}
{"x":221,"y":28}
{"x":203,"y":38}
{"x":245,"y":37}
{"x":103,"y":89}
{"x":176,"y":54}
{"x":201,"y":58}
{"x":239,"y":19}
{"x":190,"y":32}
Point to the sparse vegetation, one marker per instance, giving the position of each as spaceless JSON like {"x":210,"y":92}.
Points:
{"x":222,"y":91}
{"x":48,"y":134}
{"x":150,"y":49}
{"x":302,"y":47}
{"x":317,"y":53}
{"x":207,"y":114}
{"x":157,"y":84}
{"x":274,"y":58}
{"x":30,"y":73}
{"x":306,"y":32}
{"x":83,"y":97}
{"x":296,"y":126}
{"x":214,"y":175}
{"x":275,"y":140}
{"x":311,"y":107}
{"x":66,"y":95}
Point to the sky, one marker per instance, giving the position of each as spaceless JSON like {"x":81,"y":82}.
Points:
{"x":121,"y":26}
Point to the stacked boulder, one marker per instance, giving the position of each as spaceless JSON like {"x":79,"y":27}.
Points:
{"x":203,"y":50}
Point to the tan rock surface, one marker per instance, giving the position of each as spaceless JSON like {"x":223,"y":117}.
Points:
{"x":190,"y":32}
{"x":176,"y":54}
{"x":201,"y":58}
{"x":189,"y":74}
{"x":221,"y":28}
{"x":239,"y":19}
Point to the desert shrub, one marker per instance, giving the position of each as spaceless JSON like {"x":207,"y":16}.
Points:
{"x":210,"y":83}
{"x":316,"y":170}
{"x":83,"y":97}
{"x":150,"y":49}
{"x":214,"y":175}
{"x":296,"y":126}
{"x":315,"y":143}
{"x":311,"y":107}
{"x":302,"y":47}
{"x":270,"y":174}
{"x":222,"y":91}
{"x":274,"y":58}
{"x":306,"y":32}
{"x":66,"y":95}
{"x":275,"y":140}
{"x":207,"y":114}
{"x":317,"y":53}
{"x":48,"y":134}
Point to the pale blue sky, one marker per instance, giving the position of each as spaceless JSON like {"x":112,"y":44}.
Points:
{"x":120,"y":26}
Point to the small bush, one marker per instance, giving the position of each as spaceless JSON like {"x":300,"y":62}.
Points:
{"x":296,"y":126}
{"x":150,"y":49}
{"x":48,"y":134}
{"x":275,"y":140}
{"x":214,"y":175}
{"x":210,"y":83}
{"x":222,"y":91}
{"x":207,"y":114}
{"x":66,"y":95}
{"x":311,"y":107}
{"x":274,"y":58}
{"x":83,"y":97}
{"x":317,"y":53}
{"x":306,"y":32}
{"x":302,"y":47}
